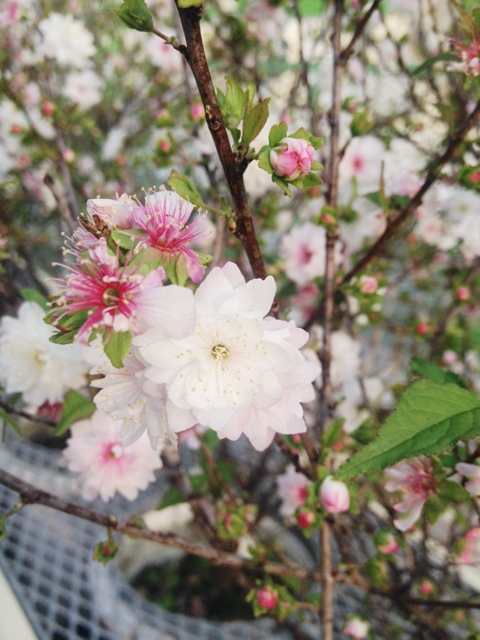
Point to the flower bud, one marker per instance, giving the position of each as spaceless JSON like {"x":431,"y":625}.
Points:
{"x":69,"y":155}
{"x":305,"y":519}
{"x":462,"y":294}
{"x":48,"y":108}
{"x":197,"y":112}
{"x":422,"y":328}
{"x":267,"y":598}
{"x":357,"y":628}
{"x":426,"y":588}
{"x":292,"y":159}
{"x":135,"y":15}
{"x":449,"y":357}
{"x":390,"y":546}
{"x":334,"y":496}
{"x":368,"y":284}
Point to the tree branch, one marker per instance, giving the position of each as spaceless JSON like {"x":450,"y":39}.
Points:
{"x":416,"y":201}
{"x":31,"y":495}
{"x":347,"y":52}
{"x":197,"y":60}
{"x":24,"y":414}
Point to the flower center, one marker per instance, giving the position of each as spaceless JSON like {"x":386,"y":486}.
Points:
{"x":219,"y":352}
{"x":116,"y":451}
{"x":111,"y":297}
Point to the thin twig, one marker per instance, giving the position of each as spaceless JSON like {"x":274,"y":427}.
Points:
{"x":197,"y":60}
{"x":24,"y":414}
{"x":31,"y":495}
{"x":416,"y":201}
{"x":347,"y":52}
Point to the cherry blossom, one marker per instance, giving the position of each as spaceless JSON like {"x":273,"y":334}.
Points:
{"x":292,"y":159}
{"x":471,"y":471}
{"x":357,"y":628}
{"x":95,"y":451}
{"x":292,"y":489}
{"x":66,"y":40}
{"x":334,"y":495}
{"x":416,"y":481}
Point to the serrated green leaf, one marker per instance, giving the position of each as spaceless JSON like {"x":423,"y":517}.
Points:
{"x":277,"y":134}
{"x":32,"y":295}
{"x":234,"y":104}
{"x":6,"y":418}
{"x":117,"y":346}
{"x":311,"y":180}
{"x":254,"y":122}
{"x":75,"y":407}
{"x":282,"y":184}
{"x":74,"y":321}
{"x":264,"y":161}
{"x":177,"y":270}
{"x":430,"y":418}
{"x":135,"y":15}
{"x":185,"y":189}
{"x":123,"y":239}
{"x":62,"y":337}
{"x":443,"y":57}
{"x":316,"y":166}
{"x":316,"y":142}
{"x":421,"y":367}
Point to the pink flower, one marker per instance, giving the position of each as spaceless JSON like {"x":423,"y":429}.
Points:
{"x":334,"y":496}
{"x":471,"y":553}
{"x":48,"y":108}
{"x":164,"y":220}
{"x":114,"y":212}
{"x":415,"y":479}
{"x":292,"y":490}
{"x":470,"y":471}
{"x":267,"y":598}
{"x":292,"y":159}
{"x":357,"y":628}
{"x":305,"y":519}
{"x":449,"y":357}
{"x":197,"y":112}
{"x":368,"y":284}
{"x":117,"y":297}
{"x":390,"y":546}
{"x":95,"y":451}
{"x":469,"y":56}
{"x":426,"y":587}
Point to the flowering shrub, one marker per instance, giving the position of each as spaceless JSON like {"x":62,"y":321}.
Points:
{"x":334,"y":325}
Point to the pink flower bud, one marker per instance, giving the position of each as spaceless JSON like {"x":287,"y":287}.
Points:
{"x":462,"y":293}
{"x":314,"y":192}
{"x":449,"y":357}
{"x":165,"y":146}
{"x":422,"y":328}
{"x":296,"y":437}
{"x":48,"y":108}
{"x":328,"y":219}
{"x":69,"y":155}
{"x":305,"y":519}
{"x":15,"y":128}
{"x":267,"y":598}
{"x":368,"y":284}
{"x":357,"y":628}
{"x":292,"y":159}
{"x":426,"y":587}
{"x":390,"y":546}
{"x":334,"y":496}
{"x":475,"y":177}
{"x":197,"y":112}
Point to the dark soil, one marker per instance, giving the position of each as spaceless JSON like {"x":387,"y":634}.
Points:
{"x":195,"y":588}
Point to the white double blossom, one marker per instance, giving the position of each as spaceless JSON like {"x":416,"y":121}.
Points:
{"x":236,"y":364}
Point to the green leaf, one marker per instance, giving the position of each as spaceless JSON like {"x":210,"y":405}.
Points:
{"x":301,"y":134}
{"x":316,"y":166}
{"x":310,"y":8}
{"x":421,"y":367}
{"x":443,"y":57}
{"x":177,"y":270}
{"x":332,"y":434}
{"x":6,"y":418}
{"x":264,"y":161}
{"x":185,"y":189}
{"x":249,"y":97}
{"x":254,"y":122}
{"x":135,"y":15}
{"x":234,"y":105}
{"x":173,"y":496}
{"x":277,"y":134}
{"x":434,"y":507}
{"x":75,"y":408}
{"x":282,"y":184}
{"x":62,"y":337}
{"x":105,"y":551}
{"x":311,"y":180}
{"x":123,"y":239}
{"x":74,"y":321}
{"x":316,"y":142}
{"x":184,"y":4}
{"x":32,"y":295}
{"x":430,"y":418}
{"x":117,"y":346}
{"x":452,"y":491}
{"x":205,"y":258}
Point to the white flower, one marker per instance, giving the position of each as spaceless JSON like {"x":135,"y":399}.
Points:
{"x":234,"y":360}
{"x":32,"y":365}
{"x":113,"y":143}
{"x":292,"y":490}
{"x":363,"y":160}
{"x":163,"y":55}
{"x":83,"y":88}
{"x":95,"y":451}
{"x":66,"y":40}
{"x":303,"y":250}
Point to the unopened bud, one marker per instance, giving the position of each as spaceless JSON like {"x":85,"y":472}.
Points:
{"x":462,"y":294}
{"x":368,"y":284}
{"x":267,"y":598}
{"x":305,"y":519}
{"x":334,"y":496}
{"x":292,"y":158}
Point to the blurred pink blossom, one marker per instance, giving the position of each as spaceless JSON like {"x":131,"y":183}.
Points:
{"x":416,"y":481}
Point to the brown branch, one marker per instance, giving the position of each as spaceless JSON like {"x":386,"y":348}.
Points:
{"x":23,"y":414}
{"x":31,"y":495}
{"x":327,"y":583}
{"x":197,"y":60}
{"x":347,"y":52}
{"x":416,"y":201}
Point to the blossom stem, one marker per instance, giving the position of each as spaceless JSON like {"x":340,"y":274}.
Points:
{"x":416,"y":201}
{"x":197,"y":60}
